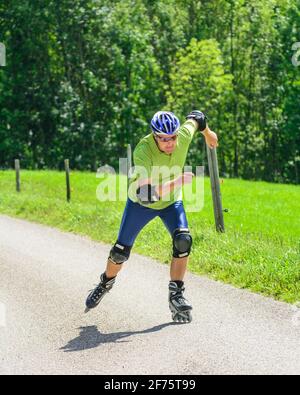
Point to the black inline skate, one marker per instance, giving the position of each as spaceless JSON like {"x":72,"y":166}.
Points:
{"x":179,"y":306}
{"x":99,"y":292}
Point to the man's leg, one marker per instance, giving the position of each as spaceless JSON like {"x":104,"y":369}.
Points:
{"x":175,"y":220}
{"x":112,"y":270}
{"x":118,"y":255}
{"x":134,"y":219}
{"x":178,"y":268}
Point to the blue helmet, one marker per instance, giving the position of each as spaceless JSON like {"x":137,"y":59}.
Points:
{"x":165,"y":122}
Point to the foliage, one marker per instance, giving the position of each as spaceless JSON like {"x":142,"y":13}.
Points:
{"x":84,"y":77}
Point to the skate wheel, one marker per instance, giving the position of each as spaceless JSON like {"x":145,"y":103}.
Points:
{"x":182,"y":318}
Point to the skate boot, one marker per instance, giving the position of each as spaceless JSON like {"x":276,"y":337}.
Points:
{"x":179,"y":306}
{"x":99,"y":292}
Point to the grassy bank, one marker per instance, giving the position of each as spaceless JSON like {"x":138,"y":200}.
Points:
{"x":259,"y":251}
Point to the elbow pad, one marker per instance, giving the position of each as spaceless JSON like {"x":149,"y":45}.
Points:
{"x":146,"y":194}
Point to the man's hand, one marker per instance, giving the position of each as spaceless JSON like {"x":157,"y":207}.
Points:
{"x":200,"y":118}
{"x":211,"y":138}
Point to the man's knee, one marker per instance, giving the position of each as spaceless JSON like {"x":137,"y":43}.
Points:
{"x":119,"y":253}
{"x":182,"y":243}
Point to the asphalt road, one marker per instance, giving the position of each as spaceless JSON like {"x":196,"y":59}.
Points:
{"x":45,"y":276}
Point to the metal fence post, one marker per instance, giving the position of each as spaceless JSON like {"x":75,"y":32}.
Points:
{"x":215,"y":188}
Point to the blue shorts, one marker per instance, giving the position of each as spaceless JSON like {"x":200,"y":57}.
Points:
{"x":136,"y":217}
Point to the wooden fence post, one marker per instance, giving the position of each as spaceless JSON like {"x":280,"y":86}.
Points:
{"x":129,"y":164}
{"x":17,"y":168}
{"x":129,"y":159}
{"x":215,"y":188}
{"x":67,"y":168}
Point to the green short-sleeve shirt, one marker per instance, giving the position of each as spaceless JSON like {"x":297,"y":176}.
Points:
{"x":150,"y":162}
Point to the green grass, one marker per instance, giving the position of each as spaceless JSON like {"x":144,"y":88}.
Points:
{"x":259,"y":251}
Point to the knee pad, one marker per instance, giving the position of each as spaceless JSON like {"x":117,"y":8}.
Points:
{"x":119,"y":254}
{"x":182,"y":243}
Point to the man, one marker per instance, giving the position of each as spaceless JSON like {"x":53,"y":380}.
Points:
{"x":155,"y":191}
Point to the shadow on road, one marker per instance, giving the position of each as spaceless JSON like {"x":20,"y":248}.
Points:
{"x":90,"y":337}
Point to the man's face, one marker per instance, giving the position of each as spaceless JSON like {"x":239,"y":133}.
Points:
{"x":166,"y":144}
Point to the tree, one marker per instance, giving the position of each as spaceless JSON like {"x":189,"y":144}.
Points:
{"x":198,"y":81}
